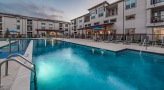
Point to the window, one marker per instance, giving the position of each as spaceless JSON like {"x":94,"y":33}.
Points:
{"x":50,"y":28}
{"x":97,"y":23}
{"x":106,"y":21}
{"x":130,"y":31}
{"x":162,"y":16}
{"x":113,"y":20}
{"x":0,"y":19}
{"x":80,"y":20}
{"x":29,"y":28}
{"x":86,"y":25}
{"x":80,"y":26}
{"x":89,"y":24}
{"x":156,"y":1}
{"x":130,"y":4}
{"x":157,"y":16}
{"x":43,"y":23}
{"x":158,"y":33}
{"x":60,"y":24}
{"x":93,"y":15}
{"x":43,"y":28}
{"x":66,"y":29}
{"x":50,"y":24}
{"x":66,"y":25}
{"x":112,"y":12}
{"x":18,"y":26}
{"x":18,"y":21}
{"x":130,"y":17}
{"x":101,"y":11}
{"x":60,"y":28}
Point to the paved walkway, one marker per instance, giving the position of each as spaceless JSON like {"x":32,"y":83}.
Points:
{"x":114,"y":46}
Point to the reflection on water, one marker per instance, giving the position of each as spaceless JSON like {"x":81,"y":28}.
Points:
{"x":16,"y":47}
{"x":67,"y":66}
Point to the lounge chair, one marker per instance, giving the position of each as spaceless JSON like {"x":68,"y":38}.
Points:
{"x":1,"y":36}
{"x":129,"y":39}
{"x":143,"y":39}
{"x":98,"y":38}
{"x":10,"y":36}
{"x":110,"y":38}
{"x":162,"y":44}
{"x":118,"y":39}
{"x":94,"y":38}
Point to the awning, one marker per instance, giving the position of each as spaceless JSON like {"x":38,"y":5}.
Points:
{"x":96,"y":28}
{"x":49,"y":30}
{"x":102,"y":25}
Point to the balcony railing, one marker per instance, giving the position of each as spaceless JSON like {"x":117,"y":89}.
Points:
{"x":157,"y":19}
{"x":156,"y":1}
{"x":29,"y":23}
{"x":29,"y":29}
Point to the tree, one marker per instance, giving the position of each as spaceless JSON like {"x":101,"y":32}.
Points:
{"x":7,"y":33}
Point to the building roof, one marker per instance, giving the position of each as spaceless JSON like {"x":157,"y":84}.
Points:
{"x":105,"y":2}
{"x":29,"y":17}
{"x":80,"y":16}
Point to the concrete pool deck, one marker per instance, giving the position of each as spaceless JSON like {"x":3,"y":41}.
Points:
{"x":113,"y":46}
{"x":19,"y":76}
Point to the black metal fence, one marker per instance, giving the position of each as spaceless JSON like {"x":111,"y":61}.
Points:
{"x":136,"y":38}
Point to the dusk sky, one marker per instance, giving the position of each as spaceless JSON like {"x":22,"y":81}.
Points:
{"x":52,"y":9}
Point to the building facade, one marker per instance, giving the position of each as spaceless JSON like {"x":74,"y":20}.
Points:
{"x":123,"y":17}
{"x":28,"y":25}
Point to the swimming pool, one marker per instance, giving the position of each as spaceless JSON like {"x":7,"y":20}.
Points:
{"x":67,"y":66}
{"x":16,"y":48}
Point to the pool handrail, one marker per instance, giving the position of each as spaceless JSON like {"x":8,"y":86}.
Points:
{"x":14,"y":55}
{"x":18,"y":61}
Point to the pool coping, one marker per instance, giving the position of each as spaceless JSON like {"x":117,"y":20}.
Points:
{"x":23,"y":74}
{"x":12,"y":42}
{"x":118,"y":51}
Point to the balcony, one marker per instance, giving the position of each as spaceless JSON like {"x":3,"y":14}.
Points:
{"x":157,"y":19}
{"x":155,"y":3}
{"x":87,"y":18}
{"x":112,"y":10}
{"x":0,"y":26}
{"x":0,"y":19}
{"x":29,"y":28}
{"x":29,"y":22}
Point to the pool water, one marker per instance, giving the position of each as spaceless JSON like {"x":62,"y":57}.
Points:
{"x":16,"y":48}
{"x":66,"y":66}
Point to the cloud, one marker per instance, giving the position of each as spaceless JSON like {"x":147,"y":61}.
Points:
{"x":31,"y":9}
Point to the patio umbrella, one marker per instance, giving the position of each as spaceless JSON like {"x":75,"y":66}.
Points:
{"x":13,"y":31}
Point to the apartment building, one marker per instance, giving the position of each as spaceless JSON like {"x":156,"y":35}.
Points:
{"x":31,"y":26}
{"x":123,"y":17}
{"x":155,"y":17}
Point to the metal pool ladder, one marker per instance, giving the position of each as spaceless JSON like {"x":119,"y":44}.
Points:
{"x":21,"y":63}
